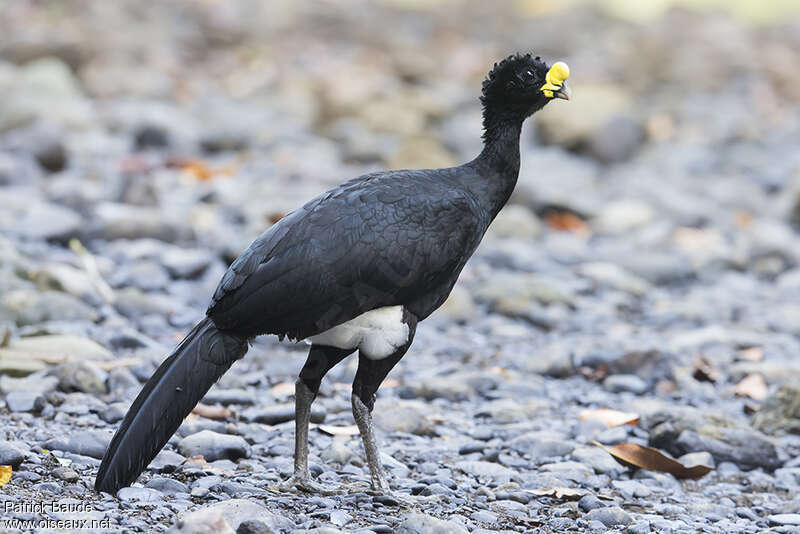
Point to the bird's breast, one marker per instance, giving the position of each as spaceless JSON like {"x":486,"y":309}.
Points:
{"x":377,"y":333}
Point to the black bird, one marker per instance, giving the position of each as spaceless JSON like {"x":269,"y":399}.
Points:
{"x":354,"y":269}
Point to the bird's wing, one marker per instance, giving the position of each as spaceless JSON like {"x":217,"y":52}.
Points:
{"x":378,"y":241}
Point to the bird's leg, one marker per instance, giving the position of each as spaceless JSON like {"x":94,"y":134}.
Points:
{"x":370,"y":374}
{"x":320,"y":360}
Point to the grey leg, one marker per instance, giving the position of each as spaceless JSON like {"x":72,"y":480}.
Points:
{"x":320,"y":361}
{"x":369,"y":376}
{"x":363,"y":417}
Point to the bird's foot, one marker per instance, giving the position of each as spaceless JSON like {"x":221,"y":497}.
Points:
{"x":304,"y":483}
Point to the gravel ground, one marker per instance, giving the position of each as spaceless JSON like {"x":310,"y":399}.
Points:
{"x":649,"y":263}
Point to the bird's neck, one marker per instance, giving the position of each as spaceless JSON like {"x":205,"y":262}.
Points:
{"x":498,"y":163}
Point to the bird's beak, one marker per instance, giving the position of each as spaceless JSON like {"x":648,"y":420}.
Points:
{"x":564,"y":92}
{"x":555,"y":86}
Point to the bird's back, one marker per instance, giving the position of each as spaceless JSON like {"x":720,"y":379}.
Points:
{"x":382,"y":239}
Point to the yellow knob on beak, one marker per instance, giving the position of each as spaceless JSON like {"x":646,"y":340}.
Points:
{"x":554,"y":81}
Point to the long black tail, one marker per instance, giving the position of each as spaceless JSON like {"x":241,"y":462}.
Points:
{"x":170,"y":394}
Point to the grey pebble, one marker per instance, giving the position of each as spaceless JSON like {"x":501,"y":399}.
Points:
{"x":24,"y":401}
{"x":610,"y":516}
{"x":214,"y":446}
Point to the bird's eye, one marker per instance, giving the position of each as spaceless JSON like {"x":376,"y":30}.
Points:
{"x":529,"y":75}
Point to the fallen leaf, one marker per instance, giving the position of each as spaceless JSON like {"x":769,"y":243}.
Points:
{"x":338,"y":430}
{"x":752,"y":354}
{"x":704,"y":371}
{"x":633,"y":454}
{"x":5,"y":474}
{"x":611,"y":418}
{"x":566,"y":494}
{"x":752,"y":386}
{"x":211,"y":412}
{"x":272,"y":218}
{"x":200,"y":171}
{"x":566,"y":221}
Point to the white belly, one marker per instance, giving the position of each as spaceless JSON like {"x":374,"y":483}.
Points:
{"x":377,"y":333}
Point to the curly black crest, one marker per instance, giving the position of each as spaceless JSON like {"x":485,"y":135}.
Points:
{"x":504,"y":76}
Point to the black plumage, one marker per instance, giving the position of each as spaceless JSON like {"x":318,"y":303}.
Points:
{"x":386,"y":239}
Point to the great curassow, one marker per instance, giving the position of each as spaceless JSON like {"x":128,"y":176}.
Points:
{"x":354,"y":269}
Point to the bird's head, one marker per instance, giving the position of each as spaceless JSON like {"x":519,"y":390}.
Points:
{"x":522,"y":84}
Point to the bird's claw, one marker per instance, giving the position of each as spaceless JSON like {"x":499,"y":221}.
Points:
{"x":304,"y":483}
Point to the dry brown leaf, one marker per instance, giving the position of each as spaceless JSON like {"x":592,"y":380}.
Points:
{"x":752,"y":386}
{"x":211,"y":412}
{"x":5,"y":474}
{"x":565,"y":221}
{"x":704,"y":371}
{"x":200,"y":171}
{"x":566,"y":494}
{"x":274,"y":217}
{"x":752,"y":354}
{"x":611,"y":418}
{"x":338,"y":430}
{"x":633,"y":454}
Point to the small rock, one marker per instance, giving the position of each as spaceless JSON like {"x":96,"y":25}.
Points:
{"x":122,"y":221}
{"x":616,"y":140}
{"x":516,"y":221}
{"x":780,"y":411}
{"x":134,"y":493}
{"x":338,"y":453}
{"x":186,"y":263}
{"x":65,"y":473}
{"x":10,"y":454}
{"x":623,"y":216}
{"x":590,"y":502}
{"x":459,"y":305}
{"x":625,"y":383}
{"x":254,"y":526}
{"x":539,"y":445}
{"x":610,"y":516}
{"x":487,"y":470}
{"x":24,"y":401}
{"x":92,"y":443}
{"x":425,"y":524}
{"x":82,"y":376}
{"x":114,"y":412}
{"x":150,"y":136}
{"x":214,"y":446}
{"x":784,"y":519}
{"x":225,"y":516}
{"x":598,"y":459}
{"x":410,"y":417}
{"x":340,"y":518}
{"x":168,"y":486}
{"x":34,"y":307}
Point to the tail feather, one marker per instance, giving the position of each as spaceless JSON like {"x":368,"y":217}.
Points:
{"x":165,"y":400}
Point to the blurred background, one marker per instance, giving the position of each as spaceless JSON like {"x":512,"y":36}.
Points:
{"x":649,"y":258}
